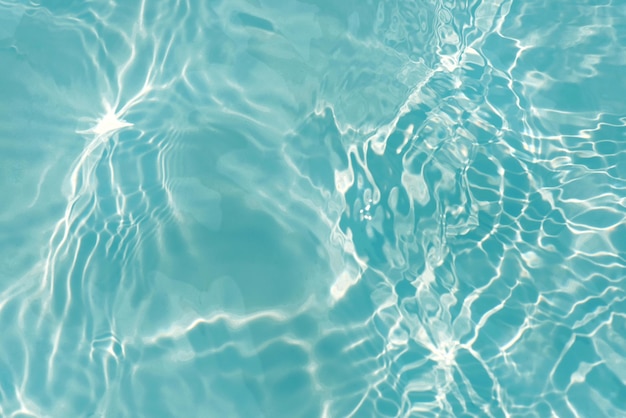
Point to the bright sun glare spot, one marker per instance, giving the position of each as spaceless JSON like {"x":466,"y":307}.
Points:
{"x":445,"y":356}
{"x":109,"y":123}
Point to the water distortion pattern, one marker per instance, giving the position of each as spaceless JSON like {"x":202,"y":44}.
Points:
{"x":309,"y":209}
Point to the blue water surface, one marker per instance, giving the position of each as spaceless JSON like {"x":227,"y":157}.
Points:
{"x":312,"y":208}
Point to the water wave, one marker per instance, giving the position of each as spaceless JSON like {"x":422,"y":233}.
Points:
{"x":312,"y":209}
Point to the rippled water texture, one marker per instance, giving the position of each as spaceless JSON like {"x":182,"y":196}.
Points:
{"x":312,"y":208}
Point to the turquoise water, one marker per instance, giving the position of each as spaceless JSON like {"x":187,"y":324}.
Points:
{"x":269,"y":208}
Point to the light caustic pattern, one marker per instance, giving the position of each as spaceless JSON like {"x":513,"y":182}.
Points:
{"x":308,"y":209}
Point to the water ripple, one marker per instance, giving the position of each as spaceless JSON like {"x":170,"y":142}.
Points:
{"x":305,"y":209}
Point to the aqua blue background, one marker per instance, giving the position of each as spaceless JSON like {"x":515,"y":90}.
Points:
{"x":312,"y":209}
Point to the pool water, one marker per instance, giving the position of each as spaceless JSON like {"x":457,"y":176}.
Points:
{"x":310,"y":208}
